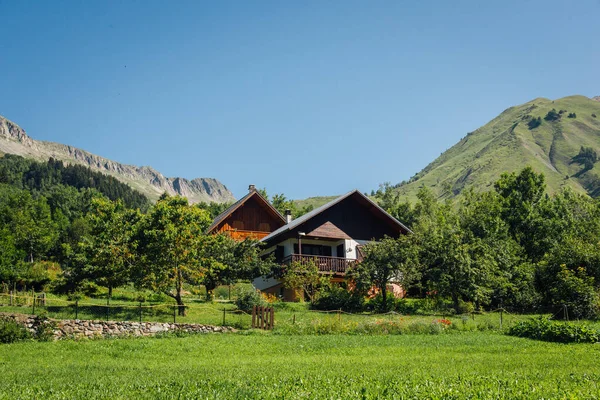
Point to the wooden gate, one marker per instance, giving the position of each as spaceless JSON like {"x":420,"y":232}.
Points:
{"x":263,"y":317}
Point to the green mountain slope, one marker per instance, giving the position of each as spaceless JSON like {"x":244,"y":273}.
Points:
{"x":511,"y":141}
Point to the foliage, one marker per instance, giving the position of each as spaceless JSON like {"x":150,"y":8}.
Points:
{"x":542,"y":328}
{"x":572,"y":115}
{"x":45,"y":176}
{"x":552,"y":115}
{"x":214,"y":209}
{"x":224,"y":260}
{"x":534,"y":123}
{"x":304,"y":278}
{"x":168,"y":240}
{"x":107,"y":252}
{"x":282,"y":204}
{"x":11,"y":331}
{"x":385,"y":261}
{"x":247,"y":298}
{"x":587,"y":156}
{"x":338,"y":298}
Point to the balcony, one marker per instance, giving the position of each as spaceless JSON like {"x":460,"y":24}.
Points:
{"x":326,"y":265}
{"x":239,"y":234}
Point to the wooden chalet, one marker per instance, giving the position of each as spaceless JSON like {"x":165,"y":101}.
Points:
{"x":331,"y":236}
{"x":252,"y":216}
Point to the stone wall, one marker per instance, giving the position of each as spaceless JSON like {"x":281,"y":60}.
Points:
{"x":75,"y":328}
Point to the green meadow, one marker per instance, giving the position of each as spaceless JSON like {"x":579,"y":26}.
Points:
{"x":474,"y":365}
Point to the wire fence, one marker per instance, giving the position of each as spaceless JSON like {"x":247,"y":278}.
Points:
{"x":57,"y":308}
{"x":226,"y":314}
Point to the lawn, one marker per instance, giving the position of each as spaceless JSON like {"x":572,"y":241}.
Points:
{"x":264,"y":366}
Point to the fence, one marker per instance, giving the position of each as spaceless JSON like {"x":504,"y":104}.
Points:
{"x":40,"y":303}
{"x":263,"y":317}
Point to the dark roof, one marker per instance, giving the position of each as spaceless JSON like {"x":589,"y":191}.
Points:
{"x":299,"y":221}
{"x":221,"y":217}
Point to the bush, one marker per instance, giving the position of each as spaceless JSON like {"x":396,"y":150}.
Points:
{"x":376,"y":303}
{"x":11,"y":331}
{"x":534,"y":123}
{"x":44,"y":329}
{"x":572,"y":115}
{"x":593,"y":115}
{"x":338,"y":298}
{"x":246,"y":298}
{"x":552,"y":115}
{"x":576,"y":291}
{"x":542,"y":328}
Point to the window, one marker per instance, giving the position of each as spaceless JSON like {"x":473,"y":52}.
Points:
{"x":313,"y":250}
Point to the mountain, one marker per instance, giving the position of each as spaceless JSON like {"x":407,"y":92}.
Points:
{"x":14,"y":140}
{"x":544,"y":134}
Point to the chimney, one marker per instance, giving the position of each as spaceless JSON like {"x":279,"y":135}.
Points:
{"x":288,"y":216}
{"x":251,"y":188}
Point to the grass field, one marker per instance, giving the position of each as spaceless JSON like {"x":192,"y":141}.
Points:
{"x":290,"y":318}
{"x":264,"y":366}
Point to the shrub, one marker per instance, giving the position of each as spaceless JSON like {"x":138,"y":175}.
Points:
{"x":11,"y":331}
{"x":552,"y":115}
{"x":572,"y":115}
{"x":376,"y":303}
{"x":338,"y":298}
{"x":404,"y":306}
{"x":576,"y":291}
{"x":534,"y":123}
{"x":246,"y":298}
{"x":593,"y":115}
{"x":542,"y":328}
{"x":44,"y":328}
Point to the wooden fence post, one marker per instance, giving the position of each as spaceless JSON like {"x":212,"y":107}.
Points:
{"x":253,"y":317}
{"x":272,"y":317}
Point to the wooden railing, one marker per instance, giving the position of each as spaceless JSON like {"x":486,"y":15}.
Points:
{"x":330,"y":265}
{"x":239,"y":234}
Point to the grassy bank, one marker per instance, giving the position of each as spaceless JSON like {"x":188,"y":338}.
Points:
{"x":466,"y":365}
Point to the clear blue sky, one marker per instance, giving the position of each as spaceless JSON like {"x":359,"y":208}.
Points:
{"x":305,"y":98}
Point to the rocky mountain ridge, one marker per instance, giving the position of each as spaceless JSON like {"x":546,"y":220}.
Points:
{"x":14,"y":140}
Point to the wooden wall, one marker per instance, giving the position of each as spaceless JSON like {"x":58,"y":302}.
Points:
{"x":251,"y":216}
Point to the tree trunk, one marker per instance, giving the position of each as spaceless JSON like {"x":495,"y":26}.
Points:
{"x":110,"y":290}
{"x":178,"y":299}
{"x":455,"y":302}
{"x":181,"y":306}
{"x":210,"y":288}
{"x":384,"y":297}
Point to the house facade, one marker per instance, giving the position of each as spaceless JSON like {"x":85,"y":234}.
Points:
{"x":331,"y":236}
{"x":252,"y":216}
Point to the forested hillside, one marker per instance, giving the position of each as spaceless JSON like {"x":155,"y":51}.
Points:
{"x":43,"y":177}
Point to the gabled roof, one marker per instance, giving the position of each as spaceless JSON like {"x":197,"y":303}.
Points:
{"x":299,"y":221}
{"x":221,"y":217}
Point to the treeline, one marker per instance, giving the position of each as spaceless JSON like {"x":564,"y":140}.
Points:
{"x":108,"y":244}
{"x":43,"y":177}
{"x":514,"y":247}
